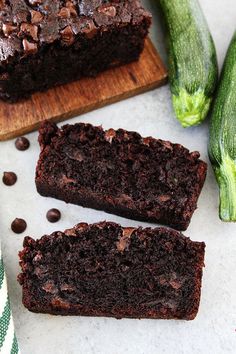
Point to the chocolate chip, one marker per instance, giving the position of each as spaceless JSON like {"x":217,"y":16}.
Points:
{"x":107,"y":10}
{"x":109,"y":135}
{"x":18,"y":226}
{"x":9,"y":178}
{"x":71,"y":8}
{"x":64,"y":13}
{"x":29,"y":30}
{"x":125,"y":238}
{"x":89,"y":29}
{"x":22,"y":143}
{"x":29,"y":48}
{"x":53,"y":215}
{"x":8,"y":29}
{"x":67,"y":35}
{"x":74,"y":154}
{"x":36,"y":17}
{"x":163,"y":198}
{"x":195,"y":155}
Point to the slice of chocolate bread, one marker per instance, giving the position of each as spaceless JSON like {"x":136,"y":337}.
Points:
{"x":106,"y":270}
{"x":120,"y":172}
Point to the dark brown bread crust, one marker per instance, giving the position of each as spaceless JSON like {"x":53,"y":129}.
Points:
{"x":106,"y":270}
{"x":120,"y":172}
{"x":44,"y":43}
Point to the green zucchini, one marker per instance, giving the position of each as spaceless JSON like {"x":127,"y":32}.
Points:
{"x":222,"y":145}
{"x":193,"y":69}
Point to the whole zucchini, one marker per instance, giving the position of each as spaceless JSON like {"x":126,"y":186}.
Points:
{"x":222,"y":145}
{"x":193,"y":69}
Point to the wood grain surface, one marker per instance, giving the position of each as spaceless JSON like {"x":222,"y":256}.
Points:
{"x":87,"y":94}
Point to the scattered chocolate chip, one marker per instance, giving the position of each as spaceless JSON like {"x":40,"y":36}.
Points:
{"x":9,"y":178}
{"x":53,"y":215}
{"x":29,"y":48}
{"x":18,"y":225}
{"x":67,"y":35}
{"x":22,"y":143}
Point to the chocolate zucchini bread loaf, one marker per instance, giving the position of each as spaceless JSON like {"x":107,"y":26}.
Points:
{"x":120,"y":172}
{"x":106,"y":270}
{"x":50,"y":42}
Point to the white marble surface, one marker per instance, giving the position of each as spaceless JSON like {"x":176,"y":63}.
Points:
{"x":214,"y":329}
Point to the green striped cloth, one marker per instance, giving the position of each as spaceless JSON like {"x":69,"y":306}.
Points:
{"x":8,"y":342}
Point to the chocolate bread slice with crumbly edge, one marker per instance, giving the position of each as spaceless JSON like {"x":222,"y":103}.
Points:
{"x":106,"y":270}
{"x":120,"y":172}
{"x":44,"y":43}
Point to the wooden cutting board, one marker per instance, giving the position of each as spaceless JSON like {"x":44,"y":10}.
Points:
{"x":76,"y":98}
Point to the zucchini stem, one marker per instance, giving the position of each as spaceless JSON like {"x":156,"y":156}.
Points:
{"x":191,"y":109}
{"x":226,"y":177}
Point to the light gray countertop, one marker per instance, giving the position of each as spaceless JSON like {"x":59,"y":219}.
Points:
{"x":214,"y":329}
